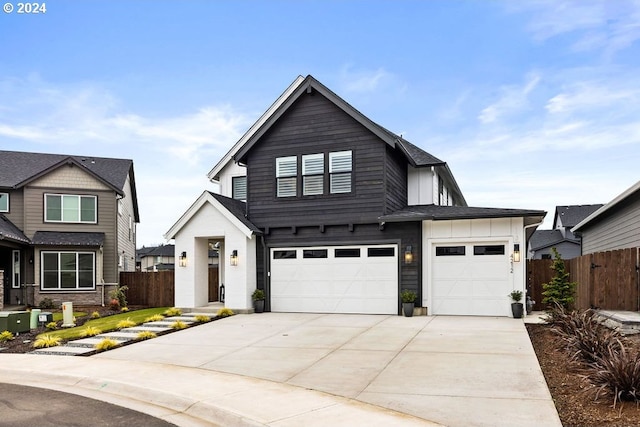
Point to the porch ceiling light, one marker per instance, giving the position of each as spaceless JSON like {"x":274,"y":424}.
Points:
{"x":234,"y":258}
{"x":183,"y":259}
{"x":516,"y":252}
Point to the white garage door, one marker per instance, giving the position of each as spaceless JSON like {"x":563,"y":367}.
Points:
{"x":335,"y":279}
{"x":471,"y":279}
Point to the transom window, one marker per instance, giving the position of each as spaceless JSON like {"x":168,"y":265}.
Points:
{"x":286,"y":176}
{"x":70,"y":208}
{"x":313,"y":174}
{"x":4,"y":202}
{"x":488,"y":250}
{"x":68,"y":270}
{"x":340,"y":166}
{"x":450,"y":250}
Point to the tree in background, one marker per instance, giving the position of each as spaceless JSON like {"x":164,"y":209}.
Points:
{"x":559,"y":290}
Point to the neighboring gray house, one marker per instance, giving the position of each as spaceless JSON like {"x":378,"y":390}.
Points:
{"x":560,"y":237}
{"x":158,"y":258}
{"x":615,"y":225}
{"x":67,"y":226}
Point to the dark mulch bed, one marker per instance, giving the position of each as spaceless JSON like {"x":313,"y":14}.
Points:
{"x":574,"y":397}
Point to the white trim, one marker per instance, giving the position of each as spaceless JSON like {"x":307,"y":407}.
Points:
{"x":206,"y":197}
{"x":252,"y":130}
{"x":628,"y":192}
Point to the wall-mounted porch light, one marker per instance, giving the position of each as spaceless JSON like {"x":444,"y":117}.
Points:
{"x":408,"y":255}
{"x":234,"y":257}
{"x":516,"y":252}
{"x":183,"y":259}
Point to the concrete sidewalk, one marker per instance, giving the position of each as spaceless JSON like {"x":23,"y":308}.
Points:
{"x":313,"y":369}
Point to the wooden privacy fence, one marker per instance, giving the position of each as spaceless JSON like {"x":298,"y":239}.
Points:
{"x":153,"y":289}
{"x":606,"y":280}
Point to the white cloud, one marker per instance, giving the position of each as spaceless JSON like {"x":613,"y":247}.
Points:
{"x":589,"y":95}
{"x":365,"y":80}
{"x":513,"y":99}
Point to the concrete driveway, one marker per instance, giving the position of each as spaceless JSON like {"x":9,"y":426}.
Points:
{"x":456,"y":371}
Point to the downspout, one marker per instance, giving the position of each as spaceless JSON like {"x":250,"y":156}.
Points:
{"x":267,"y":289}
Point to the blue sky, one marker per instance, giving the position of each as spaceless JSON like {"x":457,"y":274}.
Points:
{"x":532,"y":104}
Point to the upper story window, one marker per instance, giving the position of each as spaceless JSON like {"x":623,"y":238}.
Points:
{"x":239,"y":188}
{"x":4,"y":202}
{"x":286,"y":176}
{"x":340,"y":166}
{"x":313,"y":174}
{"x":70,"y":208}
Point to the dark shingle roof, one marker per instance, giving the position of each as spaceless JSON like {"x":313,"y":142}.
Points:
{"x":436,"y":212}
{"x":17,"y":167}
{"x":238,"y":209}
{"x":545,"y":238}
{"x":417,"y":155}
{"x":10,"y":232}
{"x":573,"y":214}
{"x":162,"y":250}
{"x":56,"y":238}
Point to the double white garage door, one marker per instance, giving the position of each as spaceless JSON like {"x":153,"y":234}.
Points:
{"x":335,"y":279}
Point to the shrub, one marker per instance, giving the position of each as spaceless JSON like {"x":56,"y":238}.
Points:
{"x":6,"y":336}
{"x":114,"y":304}
{"x":225,"y":312}
{"x":90,"y":331}
{"x":154,"y":318}
{"x":408,"y":296}
{"x":559,"y":289}
{"x":119,"y":294}
{"x":202,"y":318}
{"x":95,"y":315}
{"x":127,"y":323}
{"x":516,"y":296}
{"x":46,"y":341}
{"x":172,"y":312}
{"x":178,"y":324}
{"x":124,"y":309}
{"x":52,"y":326}
{"x":618,"y":374}
{"x":145,"y":335}
{"x":106,"y":344}
{"x":46,"y":303}
{"x":257,"y":295}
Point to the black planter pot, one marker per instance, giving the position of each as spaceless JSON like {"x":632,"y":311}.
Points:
{"x":258,"y":306}
{"x":517,"y":310}
{"x":407,"y":309}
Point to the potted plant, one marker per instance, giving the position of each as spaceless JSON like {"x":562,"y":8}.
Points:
{"x":258,"y":300}
{"x":408,"y":302}
{"x":516,"y":306}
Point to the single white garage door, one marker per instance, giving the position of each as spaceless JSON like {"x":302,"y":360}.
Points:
{"x":335,"y":279}
{"x":471,"y":279}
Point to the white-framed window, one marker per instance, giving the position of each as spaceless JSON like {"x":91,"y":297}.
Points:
{"x":67,"y":270}
{"x":313,"y":174}
{"x":286,"y":176}
{"x":340,"y":167}
{"x":70,"y":208}
{"x":4,"y":202}
{"x":239,"y":188}
{"x":15,"y":283}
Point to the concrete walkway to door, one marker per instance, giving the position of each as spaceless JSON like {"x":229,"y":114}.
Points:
{"x":456,"y":371}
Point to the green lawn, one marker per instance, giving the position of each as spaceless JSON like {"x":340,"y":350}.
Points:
{"x":57,"y":316}
{"x":106,"y":324}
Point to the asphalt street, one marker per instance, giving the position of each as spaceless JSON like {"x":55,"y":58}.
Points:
{"x":22,"y":406}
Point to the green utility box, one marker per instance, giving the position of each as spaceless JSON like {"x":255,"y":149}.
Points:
{"x":15,"y":321}
{"x":45,"y":317}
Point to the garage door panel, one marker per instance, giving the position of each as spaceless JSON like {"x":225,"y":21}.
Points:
{"x":471,"y":284}
{"x":335,"y":285}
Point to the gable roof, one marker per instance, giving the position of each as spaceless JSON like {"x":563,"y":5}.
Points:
{"x":9,"y":231}
{"x":571,"y":215}
{"x":18,"y":168}
{"x":610,"y":208}
{"x":415,"y":156}
{"x":57,"y":238}
{"x":439,"y":213}
{"x":545,"y":238}
{"x":233,"y":210}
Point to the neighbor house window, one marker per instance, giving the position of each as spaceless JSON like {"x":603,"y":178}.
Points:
{"x":313,"y":174}
{"x":70,"y":208}
{"x":239,"y":188}
{"x":340,"y":166}
{"x":68,"y":270}
{"x":286,"y":176}
{"x":4,"y":202}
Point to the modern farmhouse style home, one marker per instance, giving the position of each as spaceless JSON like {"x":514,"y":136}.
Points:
{"x":67,"y":226}
{"x":329,"y":212}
